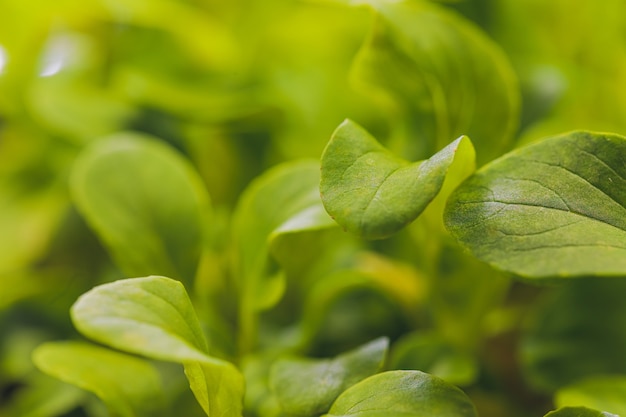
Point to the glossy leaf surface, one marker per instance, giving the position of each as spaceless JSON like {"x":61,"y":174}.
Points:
{"x":105,"y":373}
{"x":373,"y":193}
{"x":442,"y":78}
{"x":606,"y":393}
{"x":145,"y":202}
{"x":306,"y":387}
{"x":402,"y":394}
{"x":554,"y":208}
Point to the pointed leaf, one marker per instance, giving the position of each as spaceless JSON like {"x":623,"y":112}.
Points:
{"x":371,"y":192}
{"x":150,"y":316}
{"x":307,"y":387}
{"x":439,"y":77}
{"x":129,"y":386}
{"x":606,"y":393}
{"x":555,"y":208}
{"x":145,"y":202}
{"x":402,"y":394}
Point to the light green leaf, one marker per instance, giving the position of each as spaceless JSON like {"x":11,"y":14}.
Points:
{"x":438,"y":76}
{"x":218,"y":387}
{"x":371,"y":192}
{"x":154,"y":317}
{"x":150,"y":316}
{"x":403,"y":394}
{"x":145,"y":202}
{"x":578,"y":412}
{"x":128,"y":385}
{"x":606,"y":393}
{"x":575,"y":332}
{"x":307,"y":387}
{"x":283,"y":200}
{"x":555,"y":208}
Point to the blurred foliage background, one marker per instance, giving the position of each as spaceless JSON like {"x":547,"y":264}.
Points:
{"x":237,"y":87}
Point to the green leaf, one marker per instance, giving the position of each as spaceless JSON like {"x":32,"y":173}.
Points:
{"x":402,"y":394}
{"x":555,"y":208}
{"x":145,"y":202}
{"x":371,"y":192}
{"x":153,"y":316}
{"x":218,"y":387}
{"x":150,"y":316}
{"x":128,"y":385}
{"x":575,"y":332}
{"x":283,"y":200}
{"x":307,"y":387}
{"x":599,"y":392}
{"x":431,"y":353}
{"x":578,"y":412}
{"x":438,"y":76}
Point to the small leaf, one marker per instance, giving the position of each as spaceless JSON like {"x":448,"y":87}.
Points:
{"x":154,"y":317}
{"x":371,"y":192}
{"x":402,"y":394}
{"x":145,"y":202}
{"x":218,"y":387}
{"x":283,"y":200}
{"x":578,"y":412}
{"x":128,"y":385}
{"x":150,"y":316}
{"x":307,"y":387}
{"x":555,"y":208}
{"x":438,"y":76}
{"x":606,"y":393}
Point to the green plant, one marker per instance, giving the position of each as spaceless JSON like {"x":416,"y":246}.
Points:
{"x":264,"y":286}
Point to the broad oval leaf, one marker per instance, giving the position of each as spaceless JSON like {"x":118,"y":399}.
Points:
{"x":403,"y":394}
{"x":373,"y":193}
{"x":105,"y":373}
{"x":440,"y":77}
{"x":578,"y":412}
{"x":145,"y":202}
{"x":606,"y":393}
{"x":307,"y":387}
{"x":150,"y":316}
{"x":554,"y":208}
{"x":283,"y":200}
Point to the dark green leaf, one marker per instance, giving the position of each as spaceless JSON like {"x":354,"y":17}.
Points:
{"x":371,"y":192}
{"x":145,"y":202}
{"x":402,"y":394}
{"x":307,"y":387}
{"x":555,"y":208}
{"x":106,"y":373}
